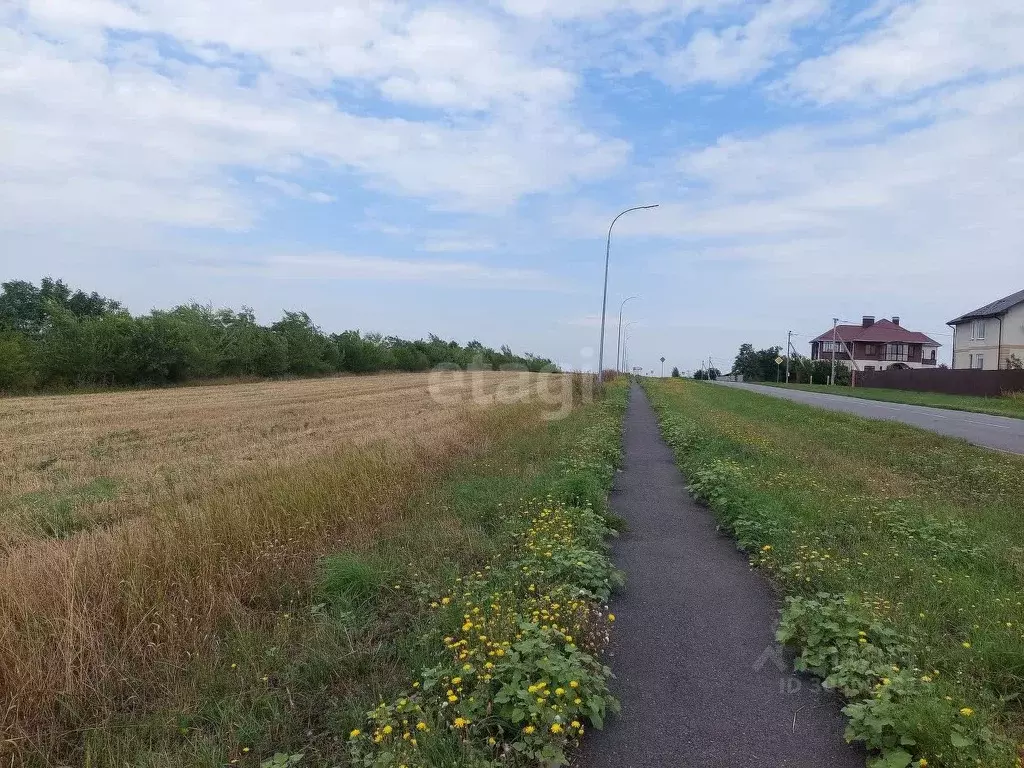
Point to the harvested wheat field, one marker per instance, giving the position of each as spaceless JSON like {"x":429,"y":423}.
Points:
{"x":68,"y":463}
{"x":135,"y":524}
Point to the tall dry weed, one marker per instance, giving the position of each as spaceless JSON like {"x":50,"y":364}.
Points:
{"x":102,"y":622}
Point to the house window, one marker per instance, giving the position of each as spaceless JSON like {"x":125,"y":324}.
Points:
{"x":896,"y":352}
{"x":869,"y":349}
{"x":978,"y":330}
{"x":979,"y":362}
{"x":869,"y":368}
{"x":830,"y":346}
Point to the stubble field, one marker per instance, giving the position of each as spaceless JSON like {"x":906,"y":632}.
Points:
{"x":134,"y":525}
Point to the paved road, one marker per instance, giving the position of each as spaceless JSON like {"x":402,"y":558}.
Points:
{"x":701,"y":679}
{"x":998,"y":432}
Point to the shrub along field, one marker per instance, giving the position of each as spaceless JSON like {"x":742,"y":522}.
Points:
{"x":901,"y":553}
{"x":197,"y":537}
{"x":1009,"y":405}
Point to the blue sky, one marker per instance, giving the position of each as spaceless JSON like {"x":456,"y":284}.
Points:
{"x":451,"y":167}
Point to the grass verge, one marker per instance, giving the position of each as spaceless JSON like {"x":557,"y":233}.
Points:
{"x":364,"y":647}
{"x":901,"y":554}
{"x":1008,"y":405}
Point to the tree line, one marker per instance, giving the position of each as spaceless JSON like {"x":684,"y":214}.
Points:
{"x":760,"y":365}
{"x":54,"y":338}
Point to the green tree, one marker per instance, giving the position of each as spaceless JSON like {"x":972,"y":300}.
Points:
{"x":28,"y":309}
{"x":17,"y":373}
{"x":756,"y":365}
{"x":310,"y":353}
{"x":249,"y":349}
{"x":55,"y":337}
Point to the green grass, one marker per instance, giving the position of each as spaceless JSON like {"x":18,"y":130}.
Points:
{"x":62,"y":514}
{"x":1009,"y":405}
{"x":294,"y":679}
{"x":919,"y":539}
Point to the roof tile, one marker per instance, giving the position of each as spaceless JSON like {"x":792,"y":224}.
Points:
{"x":993,"y":309}
{"x":880,"y":332}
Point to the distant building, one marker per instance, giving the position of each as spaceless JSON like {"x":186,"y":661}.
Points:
{"x":876,"y":346}
{"x":985,"y":338}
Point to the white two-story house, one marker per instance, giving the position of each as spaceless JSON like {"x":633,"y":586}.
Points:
{"x":986,"y":338}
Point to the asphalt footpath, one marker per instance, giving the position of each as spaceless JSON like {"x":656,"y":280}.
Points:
{"x":702,"y":682}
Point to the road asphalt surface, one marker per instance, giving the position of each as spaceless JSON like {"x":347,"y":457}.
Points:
{"x":998,"y":432}
{"x":703,"y":683}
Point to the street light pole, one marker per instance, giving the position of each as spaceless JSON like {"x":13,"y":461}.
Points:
{"x":604,"y":299}
{"x":618,"y":347}
{"x":625,"y":345}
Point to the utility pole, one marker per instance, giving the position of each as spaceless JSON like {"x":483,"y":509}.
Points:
{"x":835,"y":322}
{"x":789,"y":348}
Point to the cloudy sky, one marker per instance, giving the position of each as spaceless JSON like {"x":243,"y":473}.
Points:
{"x":412,"y":166}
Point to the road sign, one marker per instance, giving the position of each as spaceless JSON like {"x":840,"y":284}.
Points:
{"x":663,"y":359}
{"x":779,"y":361}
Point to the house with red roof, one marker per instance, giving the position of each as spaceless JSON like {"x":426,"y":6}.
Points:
{"x":876,"y":346}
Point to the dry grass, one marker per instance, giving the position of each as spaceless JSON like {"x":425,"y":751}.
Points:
{"x":68,"y":463}
{"x":225,"y":496}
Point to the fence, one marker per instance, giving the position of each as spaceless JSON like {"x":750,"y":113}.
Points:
{"x":947,"y":381}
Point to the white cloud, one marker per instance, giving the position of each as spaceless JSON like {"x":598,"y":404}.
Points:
{"x":457,"y":244}
{"x":293,"y":190}
{"x":576,"y":9}
{"x":97,"y":129}
{"x":919,"y":45}
{"x":740,"y":52}
{"x":446,"y":56}
{"x":340,"y":266}
{"x":875,"y":206}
